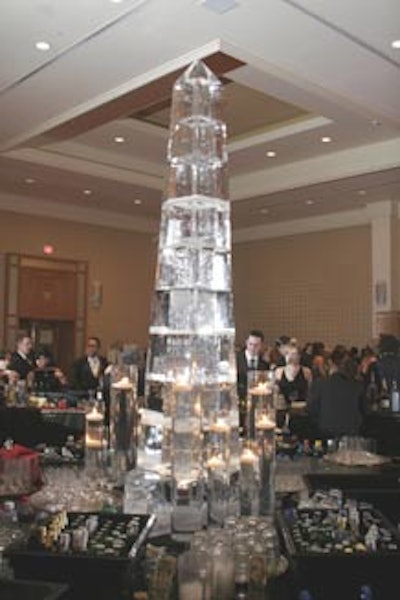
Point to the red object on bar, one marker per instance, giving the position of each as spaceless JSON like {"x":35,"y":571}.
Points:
{"x":22,"y":478}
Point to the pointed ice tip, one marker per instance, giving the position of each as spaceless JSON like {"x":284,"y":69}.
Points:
{"x":199,"y":70}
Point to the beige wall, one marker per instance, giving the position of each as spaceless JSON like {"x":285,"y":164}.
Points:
{"x":396,"y":264}
{"x":315,"y":286}
{"x":122,"y":261}
{"x":312,"y":286}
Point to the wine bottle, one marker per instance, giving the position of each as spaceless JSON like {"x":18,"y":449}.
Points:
{"x":385,"y":399}
{"x":305,"y":595}
{"x":366,"y":593}
{"x":372,"y":393}
{"x":395,"y":397}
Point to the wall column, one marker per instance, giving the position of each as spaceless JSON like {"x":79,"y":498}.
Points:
{"x":385,"y":316}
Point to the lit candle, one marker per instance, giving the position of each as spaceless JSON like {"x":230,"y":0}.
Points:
{"x":123,"y":384}
{"x":93,"y":443}
{"x":220,"y":426}
{"x":181,"y":385}
{"x":94,"y":429}
{"x":248,"y":457}
{"x":265,"y":422}
{"x":94,"y":416}
{"x":215,"y":462}
{"x":249,"y":481}
{"x":261,"y":389}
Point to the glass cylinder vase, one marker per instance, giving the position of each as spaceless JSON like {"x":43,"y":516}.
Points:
{"x":95,"y":439}
{"x":123,"y":426}
{"x":258,"y":457}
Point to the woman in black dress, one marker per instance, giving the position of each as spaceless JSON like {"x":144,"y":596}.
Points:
{"x":293,"y":379}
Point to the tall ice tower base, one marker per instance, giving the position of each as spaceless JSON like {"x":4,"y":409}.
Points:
{"x":192,"y":330}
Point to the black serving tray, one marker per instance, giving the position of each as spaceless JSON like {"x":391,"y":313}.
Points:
{"x":340,"y":575}
{"x":85,"y":572}
{"x":13,"y":589}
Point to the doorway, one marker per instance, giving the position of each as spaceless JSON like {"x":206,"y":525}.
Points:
{"x":46,"y":298}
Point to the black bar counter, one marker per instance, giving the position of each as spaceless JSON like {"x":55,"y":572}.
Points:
{"x":384,"y":427}
{"x":30,"y":426}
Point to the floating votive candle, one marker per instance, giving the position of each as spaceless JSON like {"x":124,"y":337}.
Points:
{"x":94,"y":429}
{"x":123,"y":384}
{"x":248,"y":457}
{"x":220,"y":426}
{"x":261,"y":389}
{"x":265,"y":422}
{"x":94,"y":416}
{"x":216,"y":462}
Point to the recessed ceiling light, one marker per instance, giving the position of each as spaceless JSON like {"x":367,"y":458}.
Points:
{"x":375,"y":122}
{"x":309,"y":202}
{"x":270,"y":154}
{"x":42,"y":46}
{"x":119,"y":139}
{"x":264,"y":211}
{"x":87,"y":192}
{"x":29,"y":180}
{"x":326,"y":139}
{"x":396,"y":44}
{"x":137,"y":201}
{"x":362,"y":192}
{"x":116,"y":1}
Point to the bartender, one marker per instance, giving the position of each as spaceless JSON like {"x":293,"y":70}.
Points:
{"x":23,"y":360}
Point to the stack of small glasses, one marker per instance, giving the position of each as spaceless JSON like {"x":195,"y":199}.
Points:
{"x":234,"y":561}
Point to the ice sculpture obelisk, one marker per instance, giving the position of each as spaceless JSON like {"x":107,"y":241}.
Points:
{"x":192,"y":329}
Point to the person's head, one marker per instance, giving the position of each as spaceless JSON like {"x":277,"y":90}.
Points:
{"x":93,"y":346}
{"x":318,"y":349}
{"x":341,"y":362}
{"x":388,"y":344}
{"x":12,"y":377}
{"x":367,"y":352}
{"x":254,"y":342}
{"x":43,"y":358}
{"x":308,"y":348}
{"x":353,"y":352}
{"x":293,"y":356}
{"x":24,"y":344}
{"x":282,"y":344}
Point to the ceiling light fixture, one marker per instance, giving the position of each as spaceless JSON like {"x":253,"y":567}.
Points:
{"x":119,"y":139}
{"x":88,"y":192}
{"x":220,"y":6}
{"x":270,"y":154}
{"x":362,"y":193}
{"x":42,"y":46}
{"x":326,"y":139}
{"x":395,"y":44}
{"x":264,"y":211}
{"x":137,"y":201}
{"x":29,"y":180}
{"x":309,"y":202}
{"x":116,"y":1}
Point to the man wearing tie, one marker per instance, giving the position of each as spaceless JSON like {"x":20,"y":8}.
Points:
{"x":22,"y":361}
{"x":249,"y":359}
{"x":88,"y":371}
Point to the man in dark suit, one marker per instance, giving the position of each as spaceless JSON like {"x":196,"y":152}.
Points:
{"x":22,"y":361}
{"x":250,"y":358}
{"x":336,"y":404}
{"x":88,"y":371}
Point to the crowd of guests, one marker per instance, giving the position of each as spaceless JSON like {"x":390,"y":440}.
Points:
{"x":338,"y":386}
{"x":38,"y":373}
